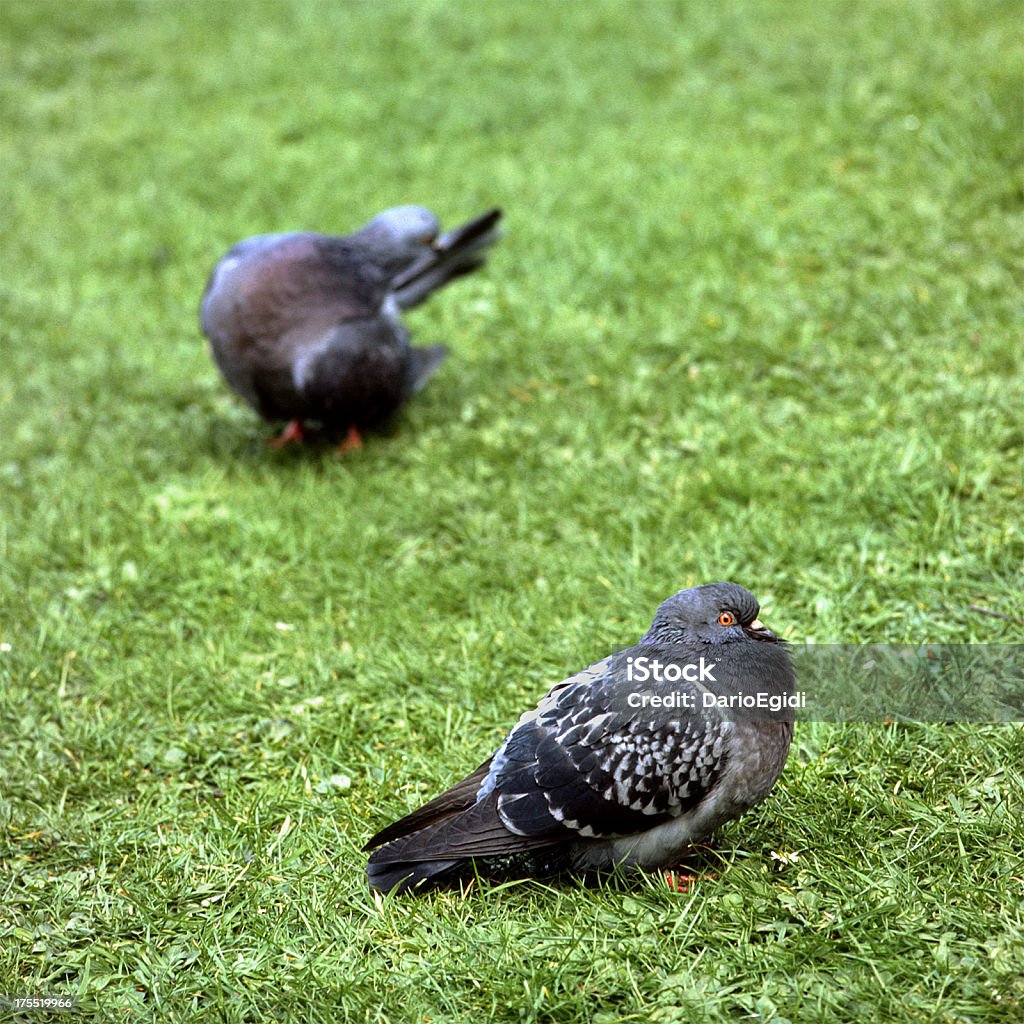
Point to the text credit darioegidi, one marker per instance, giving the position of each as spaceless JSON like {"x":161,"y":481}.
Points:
{"x":643,"y":669}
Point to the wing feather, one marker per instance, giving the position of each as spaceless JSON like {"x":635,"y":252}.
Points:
{"x":474,"y":832}
{"x":588,"y":761}
{"x":459,"y":797}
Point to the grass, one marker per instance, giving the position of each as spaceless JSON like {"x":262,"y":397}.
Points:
{"x":756,"y":317}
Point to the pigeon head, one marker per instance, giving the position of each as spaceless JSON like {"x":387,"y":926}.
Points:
{"x":396,"y":237}
{"x":716,"y":613}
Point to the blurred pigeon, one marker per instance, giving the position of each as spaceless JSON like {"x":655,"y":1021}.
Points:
{"x":595,"y":777}
{"x":307,"y":327}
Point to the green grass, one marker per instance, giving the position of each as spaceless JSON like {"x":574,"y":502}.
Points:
{"x":757,"y":316}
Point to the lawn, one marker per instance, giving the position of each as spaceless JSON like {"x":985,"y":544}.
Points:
{"x":757,"y":316}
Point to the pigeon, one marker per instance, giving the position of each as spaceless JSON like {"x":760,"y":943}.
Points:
{"x":307,"y":327}
{"x":595,"y":778}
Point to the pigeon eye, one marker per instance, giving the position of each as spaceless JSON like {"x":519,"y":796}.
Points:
{"x":727,"y":619}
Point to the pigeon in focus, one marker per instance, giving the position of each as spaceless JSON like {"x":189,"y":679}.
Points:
{"x":307,"y":327}
{"x":596,"y":777}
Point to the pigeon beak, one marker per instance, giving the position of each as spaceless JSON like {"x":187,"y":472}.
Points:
{"x":757,"y":630}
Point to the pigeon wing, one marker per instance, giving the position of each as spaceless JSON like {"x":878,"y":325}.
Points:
{"x":461,"y":796}
{"x":587,"y":761}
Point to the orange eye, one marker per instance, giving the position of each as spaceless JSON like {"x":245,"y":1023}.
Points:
{"x":727,"y":619}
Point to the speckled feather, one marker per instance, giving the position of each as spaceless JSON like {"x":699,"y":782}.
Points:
{"x":585,"y":780}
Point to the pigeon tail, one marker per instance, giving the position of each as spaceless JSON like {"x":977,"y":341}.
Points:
{"x":423,"y":365}
{"x":452,"y":838}
{"x":453,"y":254}
{"x":543,"y":861}
{"x":428,"y":875}
{"x":425,"y":875}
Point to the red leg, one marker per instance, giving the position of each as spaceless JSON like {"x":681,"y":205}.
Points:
{"x":678,"y":882}
{"x":353,"y":439}
{"x":683,"y":881}
{"x":291,"y":433}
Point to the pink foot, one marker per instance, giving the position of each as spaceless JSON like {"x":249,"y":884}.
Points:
{"x":353,"y":440}
{"x":678,"y":882}
{"x":293,"y":433}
